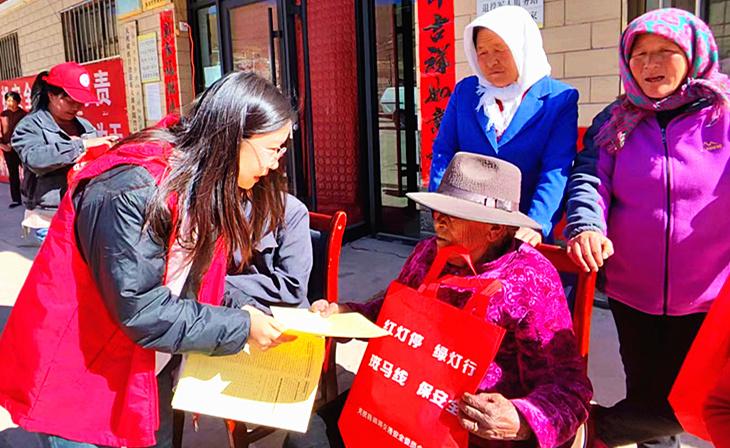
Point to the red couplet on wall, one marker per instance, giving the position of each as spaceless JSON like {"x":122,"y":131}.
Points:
{"x":437,"y":69}
{"x":109,"y":117}
{"x":169,"y":62}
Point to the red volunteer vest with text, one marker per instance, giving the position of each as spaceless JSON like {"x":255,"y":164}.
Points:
{"x":67,"y":367}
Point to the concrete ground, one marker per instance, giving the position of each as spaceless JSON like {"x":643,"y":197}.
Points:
{"x":367,"y":266}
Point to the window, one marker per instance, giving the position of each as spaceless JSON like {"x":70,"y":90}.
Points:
{"x":90,"y":31}
{"x":719,"y":21}
{"x":10,"y":57}
{"x":639,"y":7}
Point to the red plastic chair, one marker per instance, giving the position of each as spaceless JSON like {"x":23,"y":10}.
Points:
{"x":582,"y":310}
{"x":585,"y":291}
{"x":326,"y":232}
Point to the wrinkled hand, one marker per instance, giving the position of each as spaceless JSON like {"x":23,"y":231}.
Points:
{"x":108,"y":141}
{"x":492,"y":417}
{"x":326,"y":309}
{"x":529,"y":236}
{"x":265,"y":332}
{"x":589,"y":249}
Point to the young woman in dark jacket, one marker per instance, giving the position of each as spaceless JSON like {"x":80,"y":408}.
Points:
{"x":135,"y":263}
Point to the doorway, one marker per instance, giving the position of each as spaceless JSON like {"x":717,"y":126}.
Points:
{"x":397,"y":124}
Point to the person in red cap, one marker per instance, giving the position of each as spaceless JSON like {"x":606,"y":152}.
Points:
{"x":51,"y":139}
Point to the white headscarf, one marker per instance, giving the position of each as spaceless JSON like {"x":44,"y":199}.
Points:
{"x":520,"y":32}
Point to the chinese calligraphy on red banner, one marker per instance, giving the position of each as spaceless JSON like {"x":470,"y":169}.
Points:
{"x":169,"y":62}
{"x":109,"y":116}
{"x":437,"y":65}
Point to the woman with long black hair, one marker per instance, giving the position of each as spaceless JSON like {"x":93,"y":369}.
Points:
{"x":52,"y":138}
{"x":134,"y":262}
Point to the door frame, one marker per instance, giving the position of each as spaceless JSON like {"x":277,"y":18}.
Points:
{"x":288,"y":14}
{"x":369,"y":116}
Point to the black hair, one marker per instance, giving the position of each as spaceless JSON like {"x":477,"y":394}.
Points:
{"x":13,"y":95}
{"x":475,"y":31}
{"x":204,"y":170}
{"x":40,"y":90}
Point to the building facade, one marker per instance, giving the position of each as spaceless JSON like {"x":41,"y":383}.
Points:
{"x":369,"y":77}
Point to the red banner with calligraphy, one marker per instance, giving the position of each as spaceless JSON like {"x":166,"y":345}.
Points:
{"x":437,"y":70}
{"x":169,"y":62}
{"x":109,"y":117}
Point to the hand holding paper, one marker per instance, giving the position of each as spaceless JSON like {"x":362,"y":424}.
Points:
{"x":266,"y":332}
{"x":346,"y":325}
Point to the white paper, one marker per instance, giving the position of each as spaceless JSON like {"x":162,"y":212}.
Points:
{"x":153,"y":101}
{"x":149,"y":66}
{"x":345,"y":325}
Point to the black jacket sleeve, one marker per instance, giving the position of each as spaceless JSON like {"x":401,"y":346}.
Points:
{"x":278,"y":274}
{"x":128,"y":266}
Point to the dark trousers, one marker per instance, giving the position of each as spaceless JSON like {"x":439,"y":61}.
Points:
{"x":323,"y":431}
{"x":13,"y":161}
{"x":653,"y":349}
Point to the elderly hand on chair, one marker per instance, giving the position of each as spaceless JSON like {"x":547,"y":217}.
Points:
{"x":589,"y":249}
{"x":492,"y":417}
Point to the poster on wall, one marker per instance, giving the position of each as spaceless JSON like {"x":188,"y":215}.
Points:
{"x":437,"y":70}
{"x":128,"y":8}
{"x":536,"y":8}
{"x":149,"y":66}
{"x":132,"y":78}
{"x":109,"y":117}
{"x":169,"y":62}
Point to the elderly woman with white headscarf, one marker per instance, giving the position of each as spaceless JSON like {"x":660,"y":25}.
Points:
{"x":513,"y":110}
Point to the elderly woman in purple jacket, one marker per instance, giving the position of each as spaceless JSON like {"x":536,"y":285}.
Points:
{"x":653,"y":184}
{"x":536,"y":391}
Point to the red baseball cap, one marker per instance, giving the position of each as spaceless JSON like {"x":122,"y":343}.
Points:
{"x":74,"y":80}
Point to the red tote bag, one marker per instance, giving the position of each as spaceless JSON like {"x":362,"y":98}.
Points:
{"x":405,"y":389}
{"x":702,"y":366}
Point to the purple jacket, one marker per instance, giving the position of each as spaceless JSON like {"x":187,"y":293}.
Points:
{"x":538,"y":365}
{"x":664,"y":201}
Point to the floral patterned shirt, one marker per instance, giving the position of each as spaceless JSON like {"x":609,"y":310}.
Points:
{"x":538,"y":366}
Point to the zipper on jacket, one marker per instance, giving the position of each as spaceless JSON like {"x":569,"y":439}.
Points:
{"x":669,"y":217}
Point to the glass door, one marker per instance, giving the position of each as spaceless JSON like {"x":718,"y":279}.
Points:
{"x":253,"y":27}
{"x":397,"y":121}
{"x":209,"y":54}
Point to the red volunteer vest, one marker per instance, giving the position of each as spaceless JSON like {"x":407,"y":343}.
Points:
{"x":67,"y":367}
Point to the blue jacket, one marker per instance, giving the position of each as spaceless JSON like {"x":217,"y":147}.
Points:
{"x":540,"y":141}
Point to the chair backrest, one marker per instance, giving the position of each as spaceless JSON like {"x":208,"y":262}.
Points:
{"x":584,"y":292}
{"x":326,"y":232}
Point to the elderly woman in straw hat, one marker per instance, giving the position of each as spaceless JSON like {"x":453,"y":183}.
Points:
{"x":536,"y":389}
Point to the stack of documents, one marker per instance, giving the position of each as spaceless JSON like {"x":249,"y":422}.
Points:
{"x":275,"y":387}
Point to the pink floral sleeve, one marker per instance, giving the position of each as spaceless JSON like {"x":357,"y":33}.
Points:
{"x":550,"y":366}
